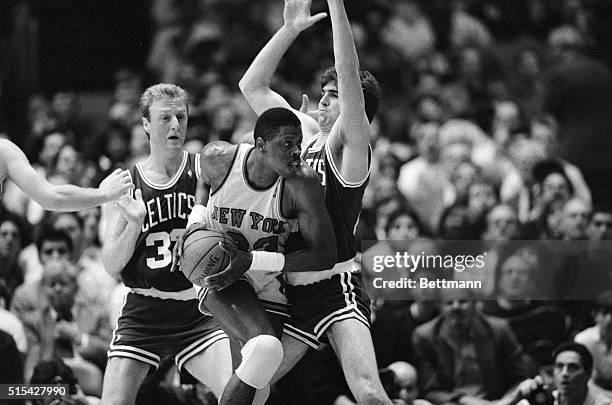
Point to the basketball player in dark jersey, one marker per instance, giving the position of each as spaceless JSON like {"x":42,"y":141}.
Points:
{"x":14,"y":165}
{"x":160,"y":314}
{"x":339,"y":151}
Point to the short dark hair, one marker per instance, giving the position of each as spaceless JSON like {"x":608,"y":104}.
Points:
{"x":580,"y":349}
{"x":603,"y":301}
{"x":401,"y":211}
{"x":269,"y":123}
{"x":54,"y":372}
{"x":56,"y":235}
{"x":369,"y":85}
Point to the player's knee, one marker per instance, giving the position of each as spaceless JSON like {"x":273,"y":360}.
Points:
{"x":261,"y":357}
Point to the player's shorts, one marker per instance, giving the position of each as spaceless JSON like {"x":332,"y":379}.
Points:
{"x":150,"y":328}
{"x":267,"y":287}
{"x":315,"y":307}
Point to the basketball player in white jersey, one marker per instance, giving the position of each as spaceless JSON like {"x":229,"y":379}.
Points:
{"x":159,"y":316}
{"x":254,"y":192}
{"x":339,"y":151}
{"x":57,"y":197}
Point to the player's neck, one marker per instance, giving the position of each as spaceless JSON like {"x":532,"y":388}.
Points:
{"x":258,"y":174}
{"x":164,"y":161}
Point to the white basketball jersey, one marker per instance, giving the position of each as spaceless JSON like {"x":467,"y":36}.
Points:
{"x":252,"y":217}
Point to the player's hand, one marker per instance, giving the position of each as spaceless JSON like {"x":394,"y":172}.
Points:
{"x":239,"y":264}
{"x":67,"y":330}
{"x":132,"y":208}
{"x":297,"y":15}
{"x":304,"y":108}
{"x":177,"y":251}
{"x":116,"y":184}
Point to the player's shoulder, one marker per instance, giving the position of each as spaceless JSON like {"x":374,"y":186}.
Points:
{"x":218,"y":150}
{"x":305,"y":179}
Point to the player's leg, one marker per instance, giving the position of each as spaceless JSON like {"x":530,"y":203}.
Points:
{"x":213,"y":366}
{"x":293,"y":351}
{"x":122,"y":378}
{"x":352,"y":342}
{"x":242,"y":316}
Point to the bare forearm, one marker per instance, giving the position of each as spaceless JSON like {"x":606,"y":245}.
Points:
{"x":261,"y":71}
{"x":345,"y":53}
{"x":117,"y":251}
{"x":68,"y":197}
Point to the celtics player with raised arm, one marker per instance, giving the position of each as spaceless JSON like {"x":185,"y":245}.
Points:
{"x":160,"y":314}
{"x":340,"y":152}
{"x":14,"y":165}
{"x":254,"y":193}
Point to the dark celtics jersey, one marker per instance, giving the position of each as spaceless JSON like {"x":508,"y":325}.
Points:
{"x":343,"y":202}
{"x":168,"y":207}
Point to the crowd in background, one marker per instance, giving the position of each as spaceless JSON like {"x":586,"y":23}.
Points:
{"x":495,"y":125}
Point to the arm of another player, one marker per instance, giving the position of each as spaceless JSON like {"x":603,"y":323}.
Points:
{"x":64,"y":197}
{"x":255,"y":84}
{"x":315,"y":226}
{"x":350,"y":135}
{"x":122,"y":231}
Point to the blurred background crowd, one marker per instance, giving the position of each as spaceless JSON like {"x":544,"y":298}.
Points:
{"x":495,"y":124}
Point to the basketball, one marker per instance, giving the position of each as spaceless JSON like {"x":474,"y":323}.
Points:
{"x":202,"y":255}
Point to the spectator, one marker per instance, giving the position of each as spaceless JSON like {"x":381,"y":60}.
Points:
{"x":57,"y":372}
{"x":572,"y":369}
{"x":11,"y":371}
{"x":576,"y":215}
{"x":502,"y":224}
{"x":11,"y":274}
{"x":423,"y":182}
{"x":598,"y":339}
{"x":600,"y":225}
{"x":463,"y":356}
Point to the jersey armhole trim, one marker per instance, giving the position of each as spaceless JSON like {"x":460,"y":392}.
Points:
{"x":337,"y":173}
{"x":228,"y":172}
{"x":198,"y":165}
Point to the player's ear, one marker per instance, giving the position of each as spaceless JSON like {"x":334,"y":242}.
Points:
{"x":145,"y":125}
{"x":260,"y":144}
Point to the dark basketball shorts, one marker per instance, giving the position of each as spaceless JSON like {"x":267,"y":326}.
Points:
{"x":315,"y":307}
{"x":150,"y":328}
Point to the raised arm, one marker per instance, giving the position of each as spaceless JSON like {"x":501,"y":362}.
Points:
{"x":350,"y":135}
{"x":255,"y":84}
{"x":122,"y":231}
{"x":64,"y":197}
{"x":315,"y":227}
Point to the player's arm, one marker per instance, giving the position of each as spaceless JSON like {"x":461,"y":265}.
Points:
{"x":215,"y":161}
{"x":315,"y":226}
{"x":64,"y":197}
{"x":122,"y":231}
{"x":255,"y":84}
{"x":350,"y":135}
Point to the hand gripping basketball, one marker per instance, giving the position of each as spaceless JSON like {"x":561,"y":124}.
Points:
{"x":239,"y":263}
{"x":177,"y":251}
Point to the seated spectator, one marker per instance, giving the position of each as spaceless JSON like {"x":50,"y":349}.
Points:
{"x":482,"y":196}
{"x":600,"y":225}
{"x":598,"y":339}
{"x":59,"y":323}
{"x":423,"y":182}
{"x":573,"y":365}
{"x":455,"y":224}
{"x":50,"y":244}
{"x":10,"y":324}
{"x":502,"y":224}
{"x":57,"y":372}
{"x":464,"y":357}
{"x":11,"y":371}
{"x":11,"y":274}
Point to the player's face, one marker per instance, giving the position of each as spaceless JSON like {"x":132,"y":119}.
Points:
{"x":329,"y":107}
{"x":283,"y":151}
{"x":167,"y":125}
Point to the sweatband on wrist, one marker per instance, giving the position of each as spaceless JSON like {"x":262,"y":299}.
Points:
{"x":198,"y":215}
{"x":267,"y":261}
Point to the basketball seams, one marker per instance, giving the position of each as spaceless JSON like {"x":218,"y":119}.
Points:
{"x":209,"y":233}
